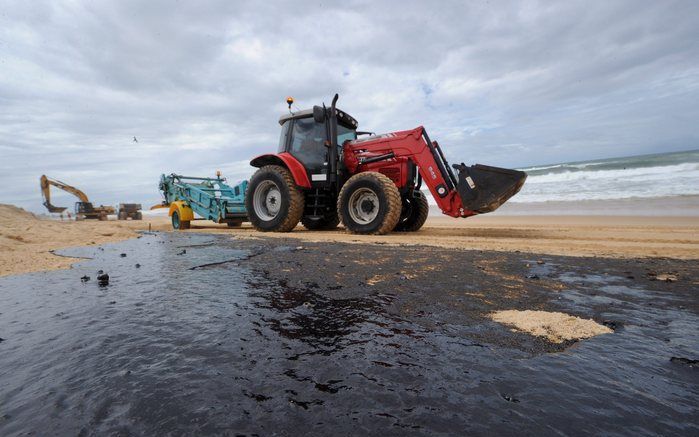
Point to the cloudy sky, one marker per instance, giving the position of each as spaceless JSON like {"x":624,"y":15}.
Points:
{"x":202,"y":84}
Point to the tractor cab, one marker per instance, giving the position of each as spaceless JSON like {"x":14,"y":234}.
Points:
{"x":306,"y":136}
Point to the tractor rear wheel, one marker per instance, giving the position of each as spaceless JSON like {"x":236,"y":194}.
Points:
{"x":325,"y":223}
{"x":414,"y":213}
{"x":369,"y":203}
{"x":179,"y":224}
{"x":272,"y":200}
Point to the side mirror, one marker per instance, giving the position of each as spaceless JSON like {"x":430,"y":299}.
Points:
{"x":319,"y":114}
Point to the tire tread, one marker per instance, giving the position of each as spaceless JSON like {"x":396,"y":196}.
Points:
{"x":393,"y":200}
{"x":419,"y":221}
{"x":296,"y":200}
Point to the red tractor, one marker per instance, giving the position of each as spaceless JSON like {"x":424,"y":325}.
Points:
{"x":323,"y":174}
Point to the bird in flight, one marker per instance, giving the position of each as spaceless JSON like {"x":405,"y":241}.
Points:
{"x":135,"y":140}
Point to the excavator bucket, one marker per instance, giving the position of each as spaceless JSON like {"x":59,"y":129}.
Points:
{"x":483,"y":188}
{"x":51,"y":208}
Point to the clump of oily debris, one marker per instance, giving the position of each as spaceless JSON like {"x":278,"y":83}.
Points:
{"x":556,"y":327}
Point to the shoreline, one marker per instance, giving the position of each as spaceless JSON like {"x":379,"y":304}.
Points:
{"x":26,"y":241}
{"x":670,"y":206}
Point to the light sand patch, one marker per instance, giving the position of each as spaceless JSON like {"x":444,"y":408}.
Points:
{"x":556,"y":327}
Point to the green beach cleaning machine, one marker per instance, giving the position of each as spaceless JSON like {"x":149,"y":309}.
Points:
{"x":210,"y":198}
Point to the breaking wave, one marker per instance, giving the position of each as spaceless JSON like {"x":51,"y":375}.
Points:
{"x":664,"y":175}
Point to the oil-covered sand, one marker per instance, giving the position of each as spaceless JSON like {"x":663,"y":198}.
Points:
{"x":198,"y":334}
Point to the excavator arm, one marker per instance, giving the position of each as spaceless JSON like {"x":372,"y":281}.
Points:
{"x":46,"y":183}
{"x":476,"y":189}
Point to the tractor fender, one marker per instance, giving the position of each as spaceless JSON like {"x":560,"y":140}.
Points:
{"x":183,"y":210}
{"x":285,"y":159}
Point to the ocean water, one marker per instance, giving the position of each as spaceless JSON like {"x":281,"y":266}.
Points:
{"x":636,"y":177}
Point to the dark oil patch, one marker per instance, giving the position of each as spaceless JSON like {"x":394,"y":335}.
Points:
{"x":261,"y":337}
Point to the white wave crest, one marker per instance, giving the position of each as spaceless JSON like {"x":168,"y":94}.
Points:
{"x":639,"y":182}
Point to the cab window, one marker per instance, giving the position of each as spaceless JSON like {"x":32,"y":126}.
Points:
{"x":344,"y":134}
{"x":308,"y":141}
{"x":282,"y":137}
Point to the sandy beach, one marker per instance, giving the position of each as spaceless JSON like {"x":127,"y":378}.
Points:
{"x":27,"y":242}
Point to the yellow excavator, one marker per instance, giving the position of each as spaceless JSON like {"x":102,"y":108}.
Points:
{"x":83,"y":209}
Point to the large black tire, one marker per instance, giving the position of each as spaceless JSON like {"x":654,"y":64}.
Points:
{"x":179,"y":224}
{"x":273,"y":202}
{"x":414,"y":213}
{"x":369,"y":203}
{"x":329,"y":222}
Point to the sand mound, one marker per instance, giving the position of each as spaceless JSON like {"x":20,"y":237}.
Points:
{"x":26,"y":241}
{"x":12,"y":213}
{"x":556,"y":327}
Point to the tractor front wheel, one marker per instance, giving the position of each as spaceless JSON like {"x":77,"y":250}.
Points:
{"x":272,"y":201}
{"x":414,"y":213}
{"x":369,"y":203}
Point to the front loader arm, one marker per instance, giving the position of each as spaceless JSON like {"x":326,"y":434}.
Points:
{"x":415,"y":146}
{"x":477,"y":189}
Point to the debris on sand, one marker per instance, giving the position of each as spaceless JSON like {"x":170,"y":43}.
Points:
{"x":102,"y":278}
{"x":556,"y":327}
{"x":138,"y":266}
{"x":666,"y":277}
{"x":84,"y":278}
{"x":123,"y":255}
{"x":509,"y":398}
{"x":662,"y":277}
{"x":685,"y":361}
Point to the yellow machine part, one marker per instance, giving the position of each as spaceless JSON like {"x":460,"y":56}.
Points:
{"x":184,"y":211}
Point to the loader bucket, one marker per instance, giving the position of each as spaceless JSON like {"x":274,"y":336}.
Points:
{"x":483,"y":188}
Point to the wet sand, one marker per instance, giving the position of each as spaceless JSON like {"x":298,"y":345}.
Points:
{"x":206,"y":335}
{"x":610,"y":236}
{"x":26,"y":242}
